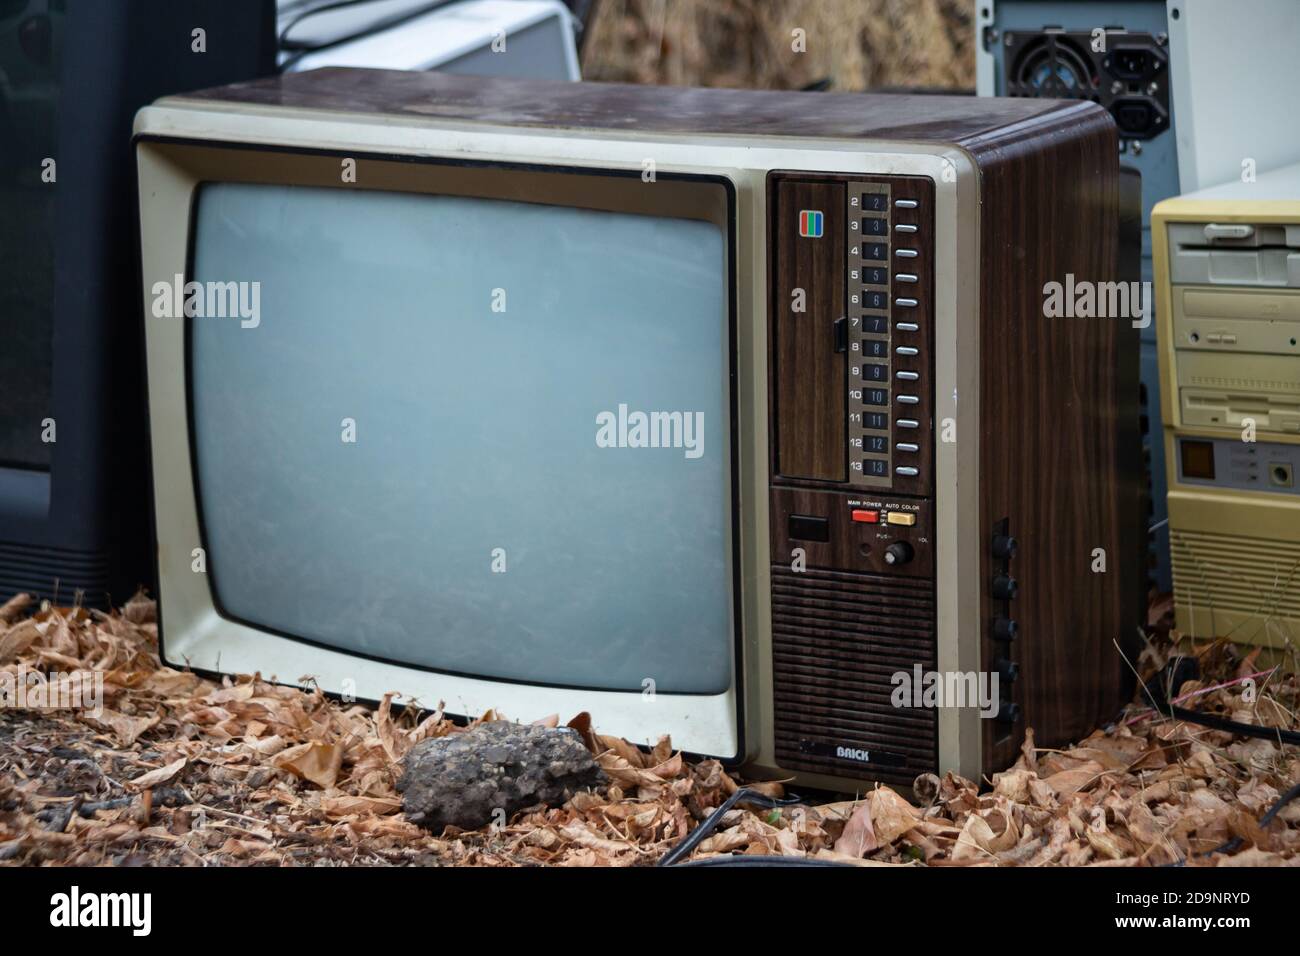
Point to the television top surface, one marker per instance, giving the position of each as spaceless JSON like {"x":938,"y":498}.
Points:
{"x":504,"y":101}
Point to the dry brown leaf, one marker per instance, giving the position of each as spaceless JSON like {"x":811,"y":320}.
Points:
{"x":581,"y":834}
{"x":156,"y":778}
{"x":981,"y":839}
{"x":17,"y":639}
{"x":1107,"y":844}
{"x":858,"y":838}
{"x":891,"y":815}
{"x":619,"y":770}
{"x":12,"y":608}
{"x":725,"y":842}
{"x":669,"y":768}
{"x":768,"y":788}
{"x":390,"y":738}
{"x":125,"y":729}
{"x":315,"y":761}
{"x":582,"y":724}
{"x":1068,"y":782}
{"x":345,"y":806}
{"x":631,"y":754}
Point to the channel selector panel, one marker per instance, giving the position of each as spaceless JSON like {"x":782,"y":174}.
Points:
{"x":852,"y":330}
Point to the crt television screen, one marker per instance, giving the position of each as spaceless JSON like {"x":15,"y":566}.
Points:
{"x":419,"y":437}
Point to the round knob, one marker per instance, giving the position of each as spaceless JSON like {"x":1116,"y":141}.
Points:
{"x":900,"y":552}
{"x":1005,"y":587}
{"x":1005,"y":629}
{"x":1008,"y":670}
{"x":1004,"y":546}
{"x":1009,"y":712}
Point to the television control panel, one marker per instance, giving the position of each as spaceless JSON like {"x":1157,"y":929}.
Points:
{"x":852,"y":514}
{"x":887,"y":428}
{"x":852,"y":327}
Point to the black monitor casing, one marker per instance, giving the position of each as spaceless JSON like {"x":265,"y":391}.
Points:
{"x":85,"y":524}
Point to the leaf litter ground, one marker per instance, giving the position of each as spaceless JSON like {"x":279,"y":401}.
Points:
{"x":177,"y":769}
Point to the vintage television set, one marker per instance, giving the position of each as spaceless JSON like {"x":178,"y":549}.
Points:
{"x":708,"y":412}
{"x":74,"y":473}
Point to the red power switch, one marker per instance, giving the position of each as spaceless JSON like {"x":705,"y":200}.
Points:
{"x":869,"y":517}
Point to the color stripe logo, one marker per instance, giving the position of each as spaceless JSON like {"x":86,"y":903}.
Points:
{"x":810,"y":223}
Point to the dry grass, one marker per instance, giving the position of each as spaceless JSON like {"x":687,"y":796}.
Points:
{"x":858,"y":44}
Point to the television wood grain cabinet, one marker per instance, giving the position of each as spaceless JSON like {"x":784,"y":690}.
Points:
{"x":713,"y":413}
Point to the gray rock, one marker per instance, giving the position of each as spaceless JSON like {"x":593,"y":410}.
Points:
{"x":462,"y":778}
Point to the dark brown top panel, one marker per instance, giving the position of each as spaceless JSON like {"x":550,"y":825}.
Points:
{"x":655,"y":109}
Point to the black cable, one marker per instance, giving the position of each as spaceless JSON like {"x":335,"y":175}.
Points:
{"x":747,"y":859}
{"x":1158,"y":692}
{"x":1282,"y":801}
{"x":1265,"y":820}
{"x":1175,"y":673}
{"x":1234,"y":726}
{"x":696,"y":836}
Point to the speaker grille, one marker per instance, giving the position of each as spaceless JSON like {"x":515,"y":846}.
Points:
{"x":837,"y":640}
{"x":1254,"y":576}
{"x":54,"y":573}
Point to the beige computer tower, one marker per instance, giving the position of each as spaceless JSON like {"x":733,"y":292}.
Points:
{"x":1227,"y":284}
